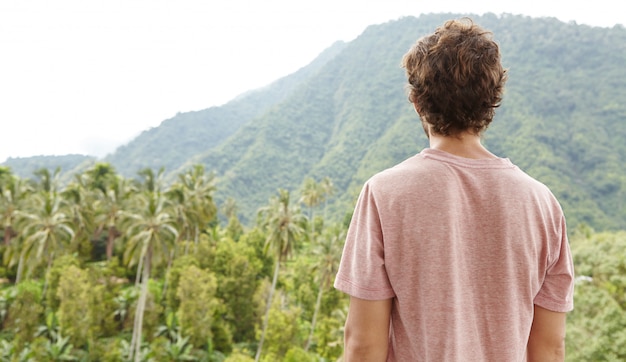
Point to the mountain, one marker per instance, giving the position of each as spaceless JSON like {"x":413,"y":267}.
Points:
{"x":562,"y":119}
{"x":68,"y":165}
{"x":346,"y":116}
{"x":177,"y":139}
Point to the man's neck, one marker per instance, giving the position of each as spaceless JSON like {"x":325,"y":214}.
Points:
{"x":466,"y":145}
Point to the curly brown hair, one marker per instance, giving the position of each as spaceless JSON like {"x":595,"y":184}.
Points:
{"x":456,"y":78}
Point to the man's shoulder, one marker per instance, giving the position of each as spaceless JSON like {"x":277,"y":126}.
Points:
{"x":410,"y":165}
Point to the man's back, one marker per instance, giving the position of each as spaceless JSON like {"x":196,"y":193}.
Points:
{"x":455,"y":254}
{"x":465,"y":248}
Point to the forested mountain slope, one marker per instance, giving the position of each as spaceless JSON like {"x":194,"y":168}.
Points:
{"x":562,"y":119}
{"x":177,"y":139}
{"x":25,"y":167}
{"x":346,"y":116}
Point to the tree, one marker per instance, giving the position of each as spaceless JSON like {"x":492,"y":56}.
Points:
{"x":329,"y":190}
{"x":283,"y":328}
{"x":13,"y":193}
{"x":112,"y":191}
{"x":283,"y":225}
{"x":193,"y":194}
{"x":25,"y":312}
{"x":328,"y":254}
{"x":233,"y":229}
{"x":237,"y":269}
{"x":196,"y":293}
{"x":151,"y":234}
{"x":75,"y":306}
{"x":80,"y":208}
{"x":596,"y":328}
{"x":47,"y":226}
{"x":312,"y":195}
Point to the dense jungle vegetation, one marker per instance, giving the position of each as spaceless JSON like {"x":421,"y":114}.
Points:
{"x":109,"y":268}
{"x":116,"y":269}
{"x":216,"y":236}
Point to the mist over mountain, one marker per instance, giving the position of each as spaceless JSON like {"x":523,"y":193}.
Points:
{"x":346,"y":116}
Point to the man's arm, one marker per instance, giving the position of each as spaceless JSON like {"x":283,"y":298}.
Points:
{"x":546,"y":342}
{"x":366,"y":336}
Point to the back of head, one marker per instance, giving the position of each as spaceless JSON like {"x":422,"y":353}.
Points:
{"x":456,"y":78}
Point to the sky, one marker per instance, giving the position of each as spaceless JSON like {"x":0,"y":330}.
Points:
{"x":86,"y":76}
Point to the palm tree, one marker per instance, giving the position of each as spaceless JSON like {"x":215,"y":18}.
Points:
{"x":283,"y":225}
{"x":234,"y":229}
{"x":79,"y":200}
{"x":193,"y":197}
{"x":328,"y":189}
{"x":14,"y":191}
{"x":112,"y":191}
{"x":110,"y":207}
{"x":328,"y":255}
{"x":150,"y":233}
{"x":14,"y":194}
{"x":312,"y":195}
{"x":47,"y":229}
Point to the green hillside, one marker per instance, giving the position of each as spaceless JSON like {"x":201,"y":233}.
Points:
{"x":345,"y":116}
{"x":25,"y":167}
{"x":189,"y":133}
{"x":561,"y":120}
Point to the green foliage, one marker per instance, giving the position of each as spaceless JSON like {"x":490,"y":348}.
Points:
{"x":173,"y":277}
{"x":25,"y":312}
{"x":239,"y":357}
{"x":283,"y":331}
{"x":60,"y":350}
{"x":75,"y":295}
{"x":59,"y":267}
{"x":597,"y":326}
{"x":297,"y":354}
{"x":196,"y":292}
{"x":237,"y":269}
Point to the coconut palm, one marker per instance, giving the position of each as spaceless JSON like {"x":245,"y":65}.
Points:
{"x":151,"y":234}
{"x":14,"y":195}
{"x":14,"y":192}
{"x":283,"y":224}
{"x":47,"y":229}
{"x":329,"y":190}
{"x":312,"y":195}
{"x":234,"y":229}
{"x":328,"y":255}
{"x":111,"y":193}
{"x":80,"y":208}
{"x":193,"y":199}
{"x":110,"y":206}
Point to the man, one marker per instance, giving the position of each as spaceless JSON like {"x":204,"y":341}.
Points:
{"x":456,"y":254}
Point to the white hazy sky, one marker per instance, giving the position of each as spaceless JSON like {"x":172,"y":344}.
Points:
{"x":85,"y":76}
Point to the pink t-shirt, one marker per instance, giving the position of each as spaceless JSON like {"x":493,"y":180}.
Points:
{"x":464,"y":247}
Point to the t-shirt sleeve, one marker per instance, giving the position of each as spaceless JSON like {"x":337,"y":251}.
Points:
{"x":362,"y":272}
{"x":557,"y":292}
